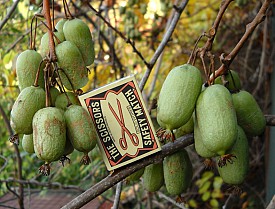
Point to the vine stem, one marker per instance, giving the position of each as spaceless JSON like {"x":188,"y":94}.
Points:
{"x":46,"y":12}
{"x":122,"y":173}
{"x":226,"y":61}
{"x":211,"y":36}
{"x":213,"y":30}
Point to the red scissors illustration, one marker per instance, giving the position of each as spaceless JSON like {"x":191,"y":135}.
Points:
{"x":122,"y":141}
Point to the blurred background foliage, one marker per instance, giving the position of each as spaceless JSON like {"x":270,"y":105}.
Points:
{"x":144,"y":22}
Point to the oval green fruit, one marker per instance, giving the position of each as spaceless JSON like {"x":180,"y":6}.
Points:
{"x":68,"y":147}
{"x":153,"y":178}
{"x":27,"y":65}
{"x":187,"y":128}
{"x":236,"y":171}
{"x":67,"y":151}
{"x":78,"y":32}
{"x":70,"y":60}
{"x":135,"y":176}
{"x":232,"y":80}
{"x":62,"y":101}
{"x":81,"y":130}
{"x":28,"y":102}
{"x":54,"y":92}
{"x":178,"y":172}
{"x":44,"y":43}
{"x":200,"y":148}
{"x":59,"y":26}
{"x":49,"y":136}
{"x":217,"y":119}
{"x":249,"y":115}
{"x":178,"y":96}
{"x":27,"y":143}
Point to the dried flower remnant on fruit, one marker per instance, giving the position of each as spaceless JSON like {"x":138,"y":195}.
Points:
{"x":45,"y":169}
{"x":64,"y":159}
{"x":85,"y":159}
{"x":228,"y":158}
{"x":165,"y":135}
{"x":14,"y":139}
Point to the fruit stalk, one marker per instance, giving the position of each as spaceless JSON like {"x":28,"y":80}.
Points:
{"x":46,"y":13}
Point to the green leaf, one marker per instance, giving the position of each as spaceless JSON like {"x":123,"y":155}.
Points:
{"x":217,"y":182}
{"x":214,"y":203}
{"x":216,"y":193}
{"x":206,"y":196}
{"x":192,"y":203}
{"x":204,"y":187}
{"x":205,"y":177}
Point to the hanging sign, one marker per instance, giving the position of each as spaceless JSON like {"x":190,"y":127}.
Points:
{"x":125,"y":131}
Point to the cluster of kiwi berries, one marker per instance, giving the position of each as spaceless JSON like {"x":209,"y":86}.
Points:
{"x":222,"y":117}
{"x":47,"y":111}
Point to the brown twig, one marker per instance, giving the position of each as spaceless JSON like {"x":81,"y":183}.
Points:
{"x":111,"y":180}
{"x":213,"y":30}
{"x":249,"y":30}
{"x":211,"y":36}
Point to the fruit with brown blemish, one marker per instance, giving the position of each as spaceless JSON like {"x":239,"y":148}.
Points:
{"x":178,"y":172}
{"x":81,"y":130}
{"x":49,"y":136}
